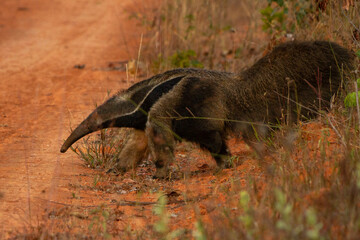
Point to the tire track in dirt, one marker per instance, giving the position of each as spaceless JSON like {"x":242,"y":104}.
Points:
{"x":41,"y":44}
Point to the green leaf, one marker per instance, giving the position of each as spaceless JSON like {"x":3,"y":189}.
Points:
{"x":190,"y":17}
{"x":280,"y":197}
{"x":358,"y":53}
{"x":282,"y":225}
{"x":244,"y":199}
{"x":199,"y":231}
{"x":350,"y":99}
{"x":311,"y":217}
{"x":287,"y":209}
{"x":267,"y":11}
{"x":105,"y":214}
{"x":280,"y":2}
{"x":358,"y":175}
{"x":184,"y":59}
{"x":246,"y":220}
{"x":227,"y":28}
{"x":313,"y":234}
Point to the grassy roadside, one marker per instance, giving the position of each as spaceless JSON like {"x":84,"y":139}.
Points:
{"x":308,"y":188}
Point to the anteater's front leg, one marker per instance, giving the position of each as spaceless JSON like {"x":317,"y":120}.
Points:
{"x":135,"y":150}
{"x":161,"y":137}
{"x":161,"y":144}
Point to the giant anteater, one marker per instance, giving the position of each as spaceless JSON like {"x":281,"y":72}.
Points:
{"x":202,"y":106}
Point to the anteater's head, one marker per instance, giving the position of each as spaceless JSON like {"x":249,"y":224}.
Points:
{"x":126,"y":109}
{"x":114,"y":112}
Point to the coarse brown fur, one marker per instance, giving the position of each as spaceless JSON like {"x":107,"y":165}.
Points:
{"x":294,"y":81}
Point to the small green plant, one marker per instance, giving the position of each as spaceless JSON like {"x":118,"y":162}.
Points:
{"x":185,"y":59}
{"x":197,"y":33}
{"x":199,"y":232}
{"x":101,"y":150}
{"x":294,"y":225}
{"x":100,"y":216}
{"x":246,"y":218}
{"x":75,"y":196}
{"x":161,"y":227}
{"x":274,"y":17}
{"x":284,"y":208}
{"x":358,"y":53}
{"x":97,"y":178}
{"x":233,"y":160}
{"x":312,"y":224}
{"x":282,"y":16}
{"x":358,"y":175}
{"x":350,"y":99}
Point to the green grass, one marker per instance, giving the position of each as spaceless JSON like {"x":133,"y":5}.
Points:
{"x":101,"y":150}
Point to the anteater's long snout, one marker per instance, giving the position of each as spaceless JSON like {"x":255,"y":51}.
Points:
{"x":78,"y":133}
{"x":86,"y":127}
{"x":121,"y":112}
{"x":110,"y":114}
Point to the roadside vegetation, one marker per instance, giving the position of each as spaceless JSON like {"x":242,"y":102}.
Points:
{"x":307,"y":187}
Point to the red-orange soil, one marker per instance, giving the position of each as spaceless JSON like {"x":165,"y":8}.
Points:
{"x":42,"y":94}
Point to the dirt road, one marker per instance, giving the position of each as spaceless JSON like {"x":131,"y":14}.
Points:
{"x":40,"y":42}
{"x":42,"y":94}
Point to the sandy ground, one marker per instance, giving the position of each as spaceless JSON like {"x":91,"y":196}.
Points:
{"x":40,"y":42}
{"x":42,"y":94}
